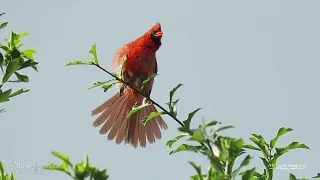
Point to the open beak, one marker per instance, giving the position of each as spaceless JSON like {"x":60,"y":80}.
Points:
{"x":158,"y":34}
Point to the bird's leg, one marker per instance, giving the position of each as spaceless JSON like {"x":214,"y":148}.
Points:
{"x":121,"y":90}
{"x":148,"y":97}
{"x":139,"y":83}
{"x":127,"y":78}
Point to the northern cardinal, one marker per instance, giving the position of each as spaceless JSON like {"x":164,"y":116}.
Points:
{"x":139,"y":65}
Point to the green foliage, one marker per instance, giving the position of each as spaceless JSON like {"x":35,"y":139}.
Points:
{"x":136,"y":108}
{"x":105,"y":85}
{"x":12,"y":60}
{"x":269,"y":158}
{"x":93,"y":60}
{"x":222,"y":151}
{"x":78,"y":171}
{"x":317,"y":176}
{"x":5,"y":176}
{"x":152,"y":76}
{"x":292,"y":177}
{"x":150,"y":116}
{"x":173,"y":103}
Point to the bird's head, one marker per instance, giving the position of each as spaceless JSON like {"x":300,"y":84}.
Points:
{"x":155,"y":34}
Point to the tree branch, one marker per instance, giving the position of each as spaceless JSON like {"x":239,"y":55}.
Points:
{"x":140,"y":92}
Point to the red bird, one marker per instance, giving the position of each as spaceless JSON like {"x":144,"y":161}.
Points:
{"x":140,"y":63}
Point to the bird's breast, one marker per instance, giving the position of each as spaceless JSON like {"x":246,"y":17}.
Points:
{"x":140,"y":61}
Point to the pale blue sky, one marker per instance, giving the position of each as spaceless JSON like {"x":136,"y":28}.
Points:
{"x":251,"y":64}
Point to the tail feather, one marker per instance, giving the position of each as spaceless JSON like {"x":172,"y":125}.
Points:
{"x":135,"y":129}
{"x":109,"y":122}
{"x":110,"y":106}
{"x":123,"y":129}
{"x":104,"y":106}
{"x":149,"y":130}
{"x":128,"y":130}
{"x":115,"y":128}
{"x":159,"y":119}
{"x":153,"y":124}
{"x":142,"y":130}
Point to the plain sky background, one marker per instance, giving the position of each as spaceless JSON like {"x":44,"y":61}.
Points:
{"x":251,"y":64}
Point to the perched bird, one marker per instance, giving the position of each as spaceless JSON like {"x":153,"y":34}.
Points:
{"x":140,"y":63}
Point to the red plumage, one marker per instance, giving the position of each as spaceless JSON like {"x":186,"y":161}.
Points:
{"x":140,"y":63}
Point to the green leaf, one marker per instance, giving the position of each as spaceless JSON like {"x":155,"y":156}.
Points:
{"x":172,"y":103}
{"x":249,"y":146}
{"x":190,"y":116}
{"x":79,"y":62}
{"x":292,"y":177}
{"x":1,"y":169}
{"x":100,"y":83}
{"x":20,"y":91}
{"x":248,"y":174}
{"x":197,"y":168}
{"x":148,"y":79}
{"x":1,"y":61}
{"x":1,"y":58}
{"x":293,"y":145}
{"x":186,"y":147}
{"x":150,"y":116}
{"x":260,"y":142}
{"x":12,"y":67}
{"x":3,"y":25}
{"x":100,"y":175}
{"x":4,"y":96}
{"x":216,"y":164}
{"x":106,"y":87}
{"x":29,"y":63}
{"x":62,"y":156}
{"x":5,"y":48}
{"x":223,"y":128}
{"x":20,"y":36}
{"x":317,"y":176}
{"x":265,"y":162}
{"x":15,"y":39}
{"x":281,"y":132}
{"x":22,"y":78}
{"x":212,"y":123}
{"x":85,"y":162}
{"x":173,"y":108}
{"x":93,"y":51}
{"x":197,"y":136}
{"x":63,"y":167}
{"x":136,"y":108}
{"x":194,"y":177}
{"x":244,"y":162}
{"x":28,"y":53}
{"x":173,"y":91}
{"x":11,"y":42}
{"x":15,"y":53}
{"x":171,"y":142}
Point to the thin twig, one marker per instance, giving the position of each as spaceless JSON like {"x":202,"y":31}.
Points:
{"x":140,"y":92}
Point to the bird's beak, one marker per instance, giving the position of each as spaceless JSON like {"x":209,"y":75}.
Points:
{"x":158,"y":34}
